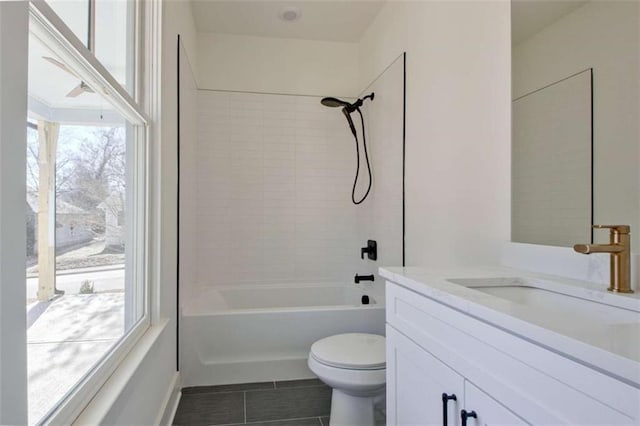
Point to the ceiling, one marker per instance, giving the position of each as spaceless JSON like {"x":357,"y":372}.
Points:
{"x":343,"y":20}
{"x":49,"y":84}
{"x":328,"y":20}
{"x":530,"y":16}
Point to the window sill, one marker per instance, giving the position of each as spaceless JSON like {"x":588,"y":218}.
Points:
{"x":96,"y":410}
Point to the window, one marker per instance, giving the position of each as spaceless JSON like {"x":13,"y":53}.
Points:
{"x":107,"y":29}
{"x":75,"y":14}
{"x":86,"y":218}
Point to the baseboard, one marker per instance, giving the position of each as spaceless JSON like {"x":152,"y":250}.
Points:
{"x":171,"y":401}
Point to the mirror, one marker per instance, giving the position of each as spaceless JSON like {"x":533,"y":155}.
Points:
{"x":551,"y":176}
{"x":554,"y":40}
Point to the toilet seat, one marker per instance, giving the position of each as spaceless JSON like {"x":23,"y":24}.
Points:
{"x":351,"y":351}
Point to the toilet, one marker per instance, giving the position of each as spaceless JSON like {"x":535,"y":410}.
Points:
{"x":354,"y":365}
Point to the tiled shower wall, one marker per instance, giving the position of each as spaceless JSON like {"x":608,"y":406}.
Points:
{"x":272,"y":179}
{"x":274,"y":174}
{"x":188,"y":154}
{"x":380,"y":215}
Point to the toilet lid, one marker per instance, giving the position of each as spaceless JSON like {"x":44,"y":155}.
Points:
{"x":358,"y":351}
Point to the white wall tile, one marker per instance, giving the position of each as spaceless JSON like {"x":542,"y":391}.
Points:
{"x":380,"y":217}
{"x":272,"y":199}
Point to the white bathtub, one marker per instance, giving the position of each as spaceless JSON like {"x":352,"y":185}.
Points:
{"x":262,"y":333}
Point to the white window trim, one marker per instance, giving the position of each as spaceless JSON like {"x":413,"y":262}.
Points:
{"x":80,"y":395}
{"x":150,"y":89}
{"x":45,"y":24}
{"x":130,"y":350}
{"x":101,"y":403}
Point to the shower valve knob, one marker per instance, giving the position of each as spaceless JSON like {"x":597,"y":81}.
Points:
{"x":371,"y":250}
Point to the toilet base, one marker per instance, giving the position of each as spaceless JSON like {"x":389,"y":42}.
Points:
{"x":349,"y":410}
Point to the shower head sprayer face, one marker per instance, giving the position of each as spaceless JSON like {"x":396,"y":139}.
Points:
{"x":334,"y":102}
{"x":339,"y":103}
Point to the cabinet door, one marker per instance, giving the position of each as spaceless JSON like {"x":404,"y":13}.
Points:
{"x":416,"y":381}
{"x":488,"y":411}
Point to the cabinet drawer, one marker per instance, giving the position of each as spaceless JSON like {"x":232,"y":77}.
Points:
{"x":539,"y":385}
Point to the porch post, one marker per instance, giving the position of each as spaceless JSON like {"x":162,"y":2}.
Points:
{"x":47,"y":141}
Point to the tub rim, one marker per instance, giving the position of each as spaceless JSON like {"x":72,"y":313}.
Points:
{"x":185,"y":311}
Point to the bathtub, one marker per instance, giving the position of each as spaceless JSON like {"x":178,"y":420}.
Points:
{"x":263,"y":333}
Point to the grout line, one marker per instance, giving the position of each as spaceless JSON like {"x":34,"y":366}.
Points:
{"x":215,"y":392}
{"x":249,"y":92}
{"x":267,"y":422}
{"x":244,"y":400}
{"x":201,"y":391}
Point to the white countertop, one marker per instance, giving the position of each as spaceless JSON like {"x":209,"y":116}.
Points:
{"x":611,"y":347}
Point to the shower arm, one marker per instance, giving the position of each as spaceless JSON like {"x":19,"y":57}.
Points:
{"x":348,"y":109}
{"x":358,"y":103}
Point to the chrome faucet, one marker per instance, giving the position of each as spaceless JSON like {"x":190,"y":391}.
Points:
{"x":620,"y":251}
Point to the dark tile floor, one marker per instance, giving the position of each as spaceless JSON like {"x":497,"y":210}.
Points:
{"x":285,"y":403}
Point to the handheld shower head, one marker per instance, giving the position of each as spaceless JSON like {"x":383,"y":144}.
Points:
{"x":334,"y":102}
{"x":347,"y":109}
{"x":347,"y":114}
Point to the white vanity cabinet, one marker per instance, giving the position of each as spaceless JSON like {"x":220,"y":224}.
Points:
{"x":420,"y":389}
{"x":434,"y":349}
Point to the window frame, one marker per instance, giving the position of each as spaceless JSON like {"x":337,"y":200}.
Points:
{"x":45,"y":24}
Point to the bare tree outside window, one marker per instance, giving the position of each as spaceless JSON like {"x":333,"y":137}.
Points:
{"x":89,"y":193}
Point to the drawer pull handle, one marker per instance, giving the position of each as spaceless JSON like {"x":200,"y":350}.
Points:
{"x":464,"y":414}
{"x":445,"y":401}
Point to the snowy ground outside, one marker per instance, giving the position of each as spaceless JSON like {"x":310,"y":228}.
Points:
{"x":66,"y":341}
{"x":66,"y":337}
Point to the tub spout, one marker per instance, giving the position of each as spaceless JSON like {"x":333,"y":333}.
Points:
{"x":359,"y":278}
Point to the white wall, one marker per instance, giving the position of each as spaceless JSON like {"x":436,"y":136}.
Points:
{"x":603,"y":36}
{"x":143,"y":399}
{"x":458,"y":124}
{"x":380,"y":215}
{"x":277,"y":65}
{"x":13,"y":114}
{"x":188,"y":158}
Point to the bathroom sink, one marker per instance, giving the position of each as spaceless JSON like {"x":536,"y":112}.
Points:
{"x":556,"y":299}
